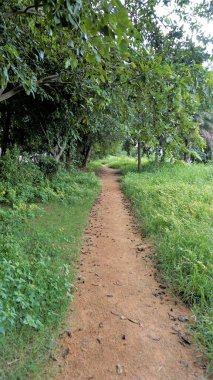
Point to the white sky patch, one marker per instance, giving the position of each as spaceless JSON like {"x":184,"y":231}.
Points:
{"x":205,"y":27}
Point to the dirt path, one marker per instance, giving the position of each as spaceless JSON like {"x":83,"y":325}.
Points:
{"x":124,"y":323}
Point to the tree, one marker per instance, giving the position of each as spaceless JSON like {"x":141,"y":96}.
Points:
{"x":31,"y":41}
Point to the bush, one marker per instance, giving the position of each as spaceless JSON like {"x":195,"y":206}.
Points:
{"x":21,"y":179}
{"x":49,"y":166}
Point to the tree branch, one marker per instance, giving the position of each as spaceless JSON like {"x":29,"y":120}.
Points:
{"x":16,"y":90}
{"x":10,"y":93}
{"x":27,"y":10}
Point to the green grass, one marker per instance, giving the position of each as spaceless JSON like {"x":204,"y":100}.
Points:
{"x":174,"y":206}
{"x":40,"y":250}
{"x":123,"y":163}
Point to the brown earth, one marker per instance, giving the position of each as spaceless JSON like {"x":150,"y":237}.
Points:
{"x":125,"y":324}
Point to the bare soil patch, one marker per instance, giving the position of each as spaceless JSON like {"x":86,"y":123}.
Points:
{"x":125,"y":324}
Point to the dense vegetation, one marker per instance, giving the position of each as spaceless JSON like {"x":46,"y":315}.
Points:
{"x":79,"y":79}
{"x":39,"y":250}
{"x":122,"y":71}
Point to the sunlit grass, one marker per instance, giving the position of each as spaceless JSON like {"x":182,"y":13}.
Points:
{"x":123,"y":163}
{"x":174,"y":206}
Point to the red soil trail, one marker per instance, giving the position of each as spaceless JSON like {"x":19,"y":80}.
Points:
{"x":125,"y":324}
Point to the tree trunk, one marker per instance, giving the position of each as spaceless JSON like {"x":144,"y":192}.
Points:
{"x":59,"y":150}
{"x":187,"y":155}
{"x":139,"y":156}
{"x":6,"y":133}
{"x":68,"y":156}
{"x":87,"y":152}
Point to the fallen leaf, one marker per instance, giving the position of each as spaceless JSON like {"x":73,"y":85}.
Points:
{"x":172,"y":317}
{"x":162,"y":286}
{"x":119,"y":369}
{"x":185,"y":339}
{"x":183,"y":318}
{"x":67,"y":332}
{"x":153,"y":337}
{"x":117,"y":283}
{"x":65,"y":353}
{"x":141,"y":248}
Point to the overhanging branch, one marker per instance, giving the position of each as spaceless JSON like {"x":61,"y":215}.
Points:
{"x":50,"y":79}
{"x":27,"y":10}
{"x":10,"y":93}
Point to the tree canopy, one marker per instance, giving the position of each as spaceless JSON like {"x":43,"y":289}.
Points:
{"x":76,"y":73}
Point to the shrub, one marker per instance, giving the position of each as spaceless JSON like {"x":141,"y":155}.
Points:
{"x":49,"y":166}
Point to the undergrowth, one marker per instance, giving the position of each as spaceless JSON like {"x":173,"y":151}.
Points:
{"x":39,"y":246}
{"x":174,"y":206}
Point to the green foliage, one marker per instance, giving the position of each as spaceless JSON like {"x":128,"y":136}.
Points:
{"x":27,"y":258}
{"x":31,"y":288}
{"x":124,"y":163}
{"x":32,"y":35}
{"x":174,"y":206}
{"x":21,"y":179}
{"x":39,"y":249}
{"x":49,"y":166}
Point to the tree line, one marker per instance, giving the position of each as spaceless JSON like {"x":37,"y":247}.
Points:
{"x":75,"y":75}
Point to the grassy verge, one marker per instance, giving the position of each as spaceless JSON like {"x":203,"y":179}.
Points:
{"x":174,"y":206}
{"x":40,"y":246}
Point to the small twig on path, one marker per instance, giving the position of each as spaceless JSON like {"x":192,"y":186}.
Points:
{"x":184,"y":337}
{"x":14,"y":361}
{"x":136,"y":321}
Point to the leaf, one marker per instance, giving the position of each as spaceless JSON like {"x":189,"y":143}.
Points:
{"x":68,"y":6}
{"x":67,"y":63}
{"x":2,"y":330}
{"x":74,"y":63}
{"x":98,"y":57}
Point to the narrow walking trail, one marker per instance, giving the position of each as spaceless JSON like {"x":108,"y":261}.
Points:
{"x":124,"y":323}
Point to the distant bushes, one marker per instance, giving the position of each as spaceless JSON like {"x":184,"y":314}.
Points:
{"x":20,"y":180}
{"x":25,"y":181}
{"x":48,"y":166}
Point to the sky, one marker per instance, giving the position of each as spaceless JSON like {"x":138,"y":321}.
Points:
{"x":205,"y":27}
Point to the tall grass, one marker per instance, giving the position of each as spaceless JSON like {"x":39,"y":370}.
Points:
{"x":174,"y":206}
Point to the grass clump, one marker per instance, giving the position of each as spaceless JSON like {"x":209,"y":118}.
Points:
{"x":174,"y":206}
{"x":39,"y":248}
